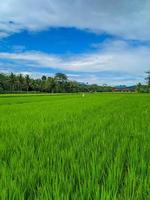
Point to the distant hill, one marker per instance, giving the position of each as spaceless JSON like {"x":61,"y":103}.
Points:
{"x":124,"y":88}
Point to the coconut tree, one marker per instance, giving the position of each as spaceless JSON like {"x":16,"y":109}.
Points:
{"x":12,"y":80}
{"x":43,"y":83}
{"x":61,"y":80}
{"x":27,"y":82}
{"x":148,"y":79}
{"x":21,"y":81}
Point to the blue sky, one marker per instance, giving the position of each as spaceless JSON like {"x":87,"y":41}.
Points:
{"x":95,"y":41}
{"x":60,"y":41}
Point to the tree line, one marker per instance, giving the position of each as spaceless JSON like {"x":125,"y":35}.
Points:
{"x":10,"y":83}
{"x":144,"y":88}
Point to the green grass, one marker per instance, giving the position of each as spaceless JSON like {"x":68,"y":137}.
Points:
{"x":70,"y":147}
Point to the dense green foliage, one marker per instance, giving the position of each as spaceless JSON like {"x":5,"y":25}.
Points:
{"x":144,"y":88}
{"x":75,"y":147}
{"x":11,"y":83}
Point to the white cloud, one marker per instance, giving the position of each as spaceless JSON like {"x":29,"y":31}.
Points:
{"x":116,"y":57}
{"x":94,"y":78}
{"x":126,"y":18}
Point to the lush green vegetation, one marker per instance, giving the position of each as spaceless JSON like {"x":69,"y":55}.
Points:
{"x":75,"y":147}
{"x":18,"y":83}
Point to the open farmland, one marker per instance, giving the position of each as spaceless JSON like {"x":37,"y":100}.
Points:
{"x":74,"y":147}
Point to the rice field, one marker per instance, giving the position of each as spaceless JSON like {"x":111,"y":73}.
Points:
{"x":67,"y":147}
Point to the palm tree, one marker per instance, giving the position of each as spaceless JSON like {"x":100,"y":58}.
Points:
{"x":138,"y":87}
{"x":148,"y":79}
{"x":50,"y":84}
{"x":61,"y":80}
{"x":21,"y":81}
{"x":4,"y":82}
{"x":43,"y":78}
{"x":61,"y":77}
{"x":43,"y":83}
{"x":12,"y":80}
{"x":27,"y":80}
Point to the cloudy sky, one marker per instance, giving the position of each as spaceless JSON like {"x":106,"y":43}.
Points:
{"x":95,"y":41}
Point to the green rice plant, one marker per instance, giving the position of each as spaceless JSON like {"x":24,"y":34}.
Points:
{"x":74,"y":147}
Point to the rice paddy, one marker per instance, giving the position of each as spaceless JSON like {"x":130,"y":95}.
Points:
{"x":73,"y":147}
